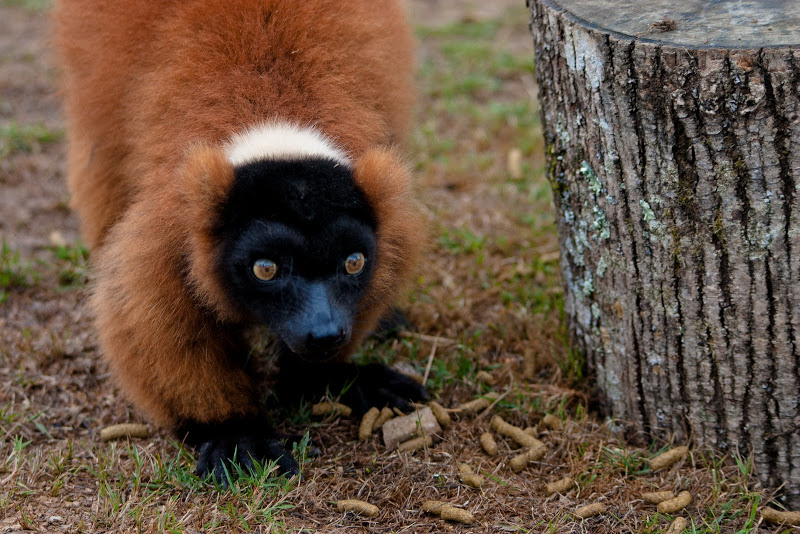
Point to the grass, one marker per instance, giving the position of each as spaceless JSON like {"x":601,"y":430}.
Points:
{"x":30,"y":5}
{"x":72,"y":261}
{"x":463,"y":241}
{"x":133,"y":481}
{"x":29,"y":138}
{"x":477,"y":110}
{"x":69,"y":261}
{"x":14,"y":273}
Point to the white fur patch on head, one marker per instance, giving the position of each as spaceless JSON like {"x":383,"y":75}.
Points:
{"x":280,"y":141}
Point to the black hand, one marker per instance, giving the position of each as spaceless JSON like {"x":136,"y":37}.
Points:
{"x":242,"y":442}
{"x":361,"y":387}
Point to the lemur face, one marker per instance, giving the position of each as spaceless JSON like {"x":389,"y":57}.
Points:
{"x":298,"y":250}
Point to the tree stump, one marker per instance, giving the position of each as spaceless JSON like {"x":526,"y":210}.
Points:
{"x":672,"y":130}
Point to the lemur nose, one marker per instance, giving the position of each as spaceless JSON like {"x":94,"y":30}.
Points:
{"x":327,"y":337}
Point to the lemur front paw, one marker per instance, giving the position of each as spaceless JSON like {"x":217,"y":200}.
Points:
{"x":378,"y":385}
{"x":359,"y":386}
{"x":246,"y":442}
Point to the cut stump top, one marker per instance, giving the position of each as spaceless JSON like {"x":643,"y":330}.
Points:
{"x":739,"y":24}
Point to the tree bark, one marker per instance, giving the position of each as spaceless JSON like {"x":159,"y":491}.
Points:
{"x":673,"y":145}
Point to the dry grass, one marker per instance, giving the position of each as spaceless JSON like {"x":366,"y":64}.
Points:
{"x":488,"y":299}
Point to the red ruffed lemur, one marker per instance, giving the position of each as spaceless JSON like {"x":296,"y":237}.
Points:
{"x":232,"y":164}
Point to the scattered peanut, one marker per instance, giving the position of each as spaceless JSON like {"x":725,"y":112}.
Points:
{"x":367,"y":423}
{"x":451,"y":513}
{"x":560,"y":486}
{"x":677,"y":526}
{"x":668,"y":458}
{"x":325,"y":408}
{"x":386,"y":414}
{"x":415,"y":444}
{"x":469,"y":477}
{"x":124,"y":430}
{"x":590,"y":510}
{"x":677,"y":504}
{"x":551,"y":421}
{"x":780,"y":517}
{"x":485,"y":377}
{"x":440,"y":413}
{"x":519,"y":462}
{"x":514,"y":432}
{"x":447,"y":511}
{"x":488,"y":443}
{"x":357,"y":507}
{"x":433,"y":507}
{"x":472,"y":480}
{"x":655,"y":497}
{"x":476,"y":405}
{"x":529,"y":364}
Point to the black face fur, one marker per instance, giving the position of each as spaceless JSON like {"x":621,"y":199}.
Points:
{"x":306,"y":217}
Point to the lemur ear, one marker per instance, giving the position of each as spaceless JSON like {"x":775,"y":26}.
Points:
{"x":386,"y":181}
{"x":205,"y":179}
{"x":204,"y":183}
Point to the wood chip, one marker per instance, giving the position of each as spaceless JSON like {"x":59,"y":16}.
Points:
{"x":386,"y":414}
{"x":125,"y":430}
{"x":677,"y":526}
{"x":325,"y":408}
{"x":677,"y":504}
{"x":514,"y":163}
{"x":668,"y":458}
{"x":367,"y":423}
{"x":590,"y":510}
{"x":655,"y":497}
{"x":514,"y":432}
{"x":415,"y":444}
{"x":519,"y":462}
{"x":780,"y":517}
{"x":57,"y":239}
{"x":488,"y":443}
{"x":419,"y":423}
{"x":560,"y":486}
{"x":440,"y":413}
{"x":357,"y":507}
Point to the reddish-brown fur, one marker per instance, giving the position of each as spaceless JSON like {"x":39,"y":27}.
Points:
{"x":152,"y":91}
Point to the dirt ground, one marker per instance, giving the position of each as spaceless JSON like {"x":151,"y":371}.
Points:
{"x":487,"y":299}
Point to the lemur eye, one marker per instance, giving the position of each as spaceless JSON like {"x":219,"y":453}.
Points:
{"x":354,"y":263}
{"x":265,"y":270}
